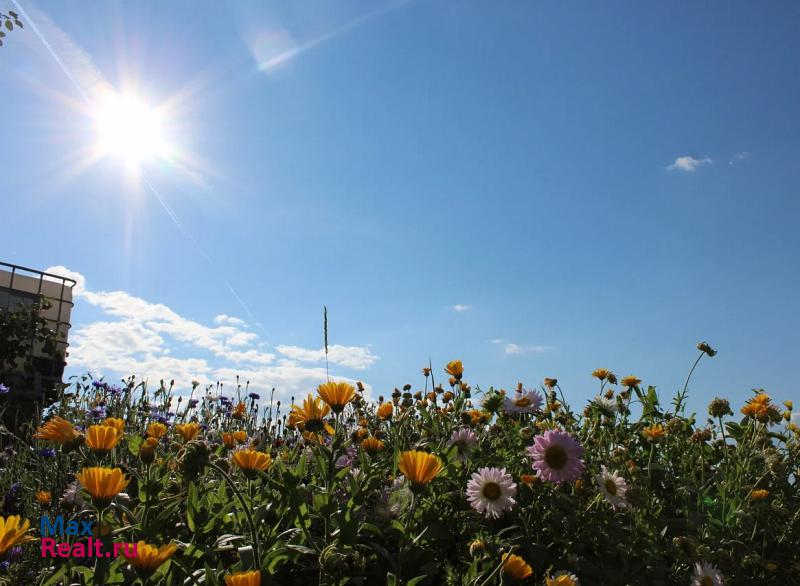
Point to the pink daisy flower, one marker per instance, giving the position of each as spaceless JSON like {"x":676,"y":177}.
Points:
{"x":557,"y":456}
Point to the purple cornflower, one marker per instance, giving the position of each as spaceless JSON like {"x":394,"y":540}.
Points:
{"x":47,"y":453}
{"x":4,"y":390}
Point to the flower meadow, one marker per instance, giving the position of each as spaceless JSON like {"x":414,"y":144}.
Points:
{"x":434,"y":483}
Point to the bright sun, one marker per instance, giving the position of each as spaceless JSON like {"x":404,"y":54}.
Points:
{"x":129,"y":129}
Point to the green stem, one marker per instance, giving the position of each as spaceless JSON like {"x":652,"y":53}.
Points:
{"x":246,"y":509}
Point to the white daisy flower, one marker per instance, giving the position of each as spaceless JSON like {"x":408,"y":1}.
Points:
{"x":613,"y":488}
{"x":606,"y":405}
{"x":523,"y":402}
{"x":491,"y":491}
{"x":562,"y":578}
{"x":706,"y":574}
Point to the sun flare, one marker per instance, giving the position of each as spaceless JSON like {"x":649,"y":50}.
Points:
{"x":129,"y":129}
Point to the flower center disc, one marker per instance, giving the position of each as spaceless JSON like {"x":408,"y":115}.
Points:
{"x":706,"y":581}
{"x":491,"y":490}
{"x":555,"y":457}
{"x":611,"y":487}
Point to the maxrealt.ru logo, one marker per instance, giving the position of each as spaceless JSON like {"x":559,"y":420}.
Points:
{"x":65,"y":539}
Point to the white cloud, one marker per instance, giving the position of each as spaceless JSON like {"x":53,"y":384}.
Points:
{"x":355,"y":357}
{"x":460,"y":307}
{"x":739,"y":157}
{"x":150,"y":340}
{"x":511,"y":348}
{"x":496,"y":341}
{"x":688,"y":163}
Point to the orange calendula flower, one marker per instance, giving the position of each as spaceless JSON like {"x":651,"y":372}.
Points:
{"x":758,"y":407}
{"x":528,"y":479}
{"x":115,"y":422}
{"x":654,"y":432}
{"x":631,"y":381}
{"x":156,"y":430}
{"x":310,"y":416}
{"x":516,"y":567}
{"x":240,"y":436}
{"x":562,"y":578}
{"x":759,"y":495}
{"x":13,"y":531}
{"x":372,"y":445}
{"x":188,"y":431}
{"x":147,"y":451}
{"x":148,"y":557}
{"x":336,"y":395}
{"x":239,"y":410}
{"x":601,"y":373}
{"x":61,"y":431}
{"x":228,"y":440}
{"x":251,"y":460}
{"x":44,"y":498}
{"x":455,"y":369}
{"x":385,"y":411}
{"x":101,"y":439}
{"x":103,"y":484}
{"x":550,"y":382}
{"x":251,"y":578}
{"x":419,"y":467}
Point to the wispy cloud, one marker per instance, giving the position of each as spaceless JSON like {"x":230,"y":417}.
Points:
{"x":512,"y":348}
{"x":688,"y":163}
{"x":739,"y":157}
{"x":516,"y":349}
{"x":150,"y":340}
{"x":460,"y":307}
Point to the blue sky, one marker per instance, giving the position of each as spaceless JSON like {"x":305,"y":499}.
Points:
{"x":539,"y":189}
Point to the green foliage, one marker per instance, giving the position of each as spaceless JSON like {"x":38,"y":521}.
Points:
{"x":8,"y":20}
{"x":330,"y":512}
{"x":21,"y":330}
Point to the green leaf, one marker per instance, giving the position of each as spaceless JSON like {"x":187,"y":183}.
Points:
{"x":416,"y":580}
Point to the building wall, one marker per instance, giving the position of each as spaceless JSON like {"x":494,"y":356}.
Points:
{"x":23,"y":285}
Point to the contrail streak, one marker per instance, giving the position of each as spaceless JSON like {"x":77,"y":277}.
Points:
{"x":47,"y":46}
{"x":166,"y":207}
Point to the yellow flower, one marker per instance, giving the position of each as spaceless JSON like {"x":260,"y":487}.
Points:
{"x":311,"y":415}
{"x":758,"y":495}
{"x":61,"y":431}
{"x":115,"y":422}
{"x":372,"y":444}
{"x":188,"y":430}
{"x":789,"y":405}
{"x":528,"y":479}
{"x":149,"y":557}
{"x":251,"y":460}
{"x":704,"y":347}
{"x":455,"y":369}
{"x":101,"y":439}
{"x":550,"y":382}
{"x":419,"y":467}
{"x":336,"y":395}
{"x":601,"y":373}
{"x":12,"y":532}
{"x":654,"y":432}
{"x":156,"y":430}
{"x":240,"y":436}
{"x":631,"y":381}
{"x":44,"y":499}
{"x":103,"y":484}
{"x":385,"y":411}
{"x":147,"y":451}
{"x":251,"y":578}
{"x":516,"y":567}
